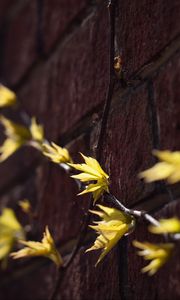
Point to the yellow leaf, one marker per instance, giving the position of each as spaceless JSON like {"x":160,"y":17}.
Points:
{"x":25,"y":206}
{"x":157,"y":253}
{"x":92,"y":171}
{"x":45,"y":248}
{"x":168,"y":156}
{"x":10,"y":232}
{"x":171,"y":225}
{"x":37,"y":131}
{"x":167,"y":169}
{"x":8,"y":148}
{"x":17,"y":135}
{"x":114,"y":224}
{"x":56,"y":153}
{"x":7,"y":97}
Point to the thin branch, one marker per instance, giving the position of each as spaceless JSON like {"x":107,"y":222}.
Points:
{"x":136,"y":213}
{"x":151,"y":219}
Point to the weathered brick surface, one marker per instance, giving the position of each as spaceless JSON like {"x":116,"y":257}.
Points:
{"x":34,"y":97}
{"x":56,"y":16}
{"x":36,"y":283}
{"x":82,"y":277}
{"x":167,"y":94}
{"x":80,"y":72}
{"x":20,"y":44}
{"x":127,"y":145}
{"x":144,"y":28}
{"x":74,"y":80}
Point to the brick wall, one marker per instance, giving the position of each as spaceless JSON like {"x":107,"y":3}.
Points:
{"x":57,"y":56}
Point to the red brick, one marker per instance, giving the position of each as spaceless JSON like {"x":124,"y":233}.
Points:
{"x":40,"y":277}
{"x":56,"y":16}
{"x":20,"y":47}
{"x":79,"y":73}
{"x":34,"y":97}
{"x":82,"y":280}
{"x":127,"y":146}
{"x":144,"y":28}
{"x":74,"y":81}
{"x":167,"y":94}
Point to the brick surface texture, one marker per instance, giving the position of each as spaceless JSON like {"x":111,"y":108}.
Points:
{"x":57,"y":56}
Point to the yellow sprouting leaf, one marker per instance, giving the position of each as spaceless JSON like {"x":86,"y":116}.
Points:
{"x":56,"y":153}
{"x":10,"y":232}
{"x":113,"y":226}
{"x":171,"y":225}
{"x":157,"y":253}
{"x":25,"y":206}
{"x":8,"y":148}
{"x":9,"y":221}
{"x":92,"y":171}
{"x":14,"y":130}
{"x":37,"y":131}
{"x":45,"y":248}
{"x":168,"y":156}
{"x":167,"y":169}
{"x":7,"y":97}
{"x":17,"y":135}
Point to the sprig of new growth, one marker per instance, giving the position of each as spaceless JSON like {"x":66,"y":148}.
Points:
{"x":115,"y":222}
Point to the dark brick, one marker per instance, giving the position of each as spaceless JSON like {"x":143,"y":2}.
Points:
{"x":19,"y":283}
{"x":56,"y":16}
{"x":82,"y":280}
{"x":167,"y":94}
{"x":79,"y":73}
{"x":74,"y":81}
{"x":20,"y":46}
{"x":34,"y":97}
{"x":144,"y":28}
{"x":127,"y":146}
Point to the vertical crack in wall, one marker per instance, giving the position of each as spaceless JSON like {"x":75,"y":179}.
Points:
{"x":122,"y":246}
{"x":124,"y":288}
{"x":111,"y":14}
